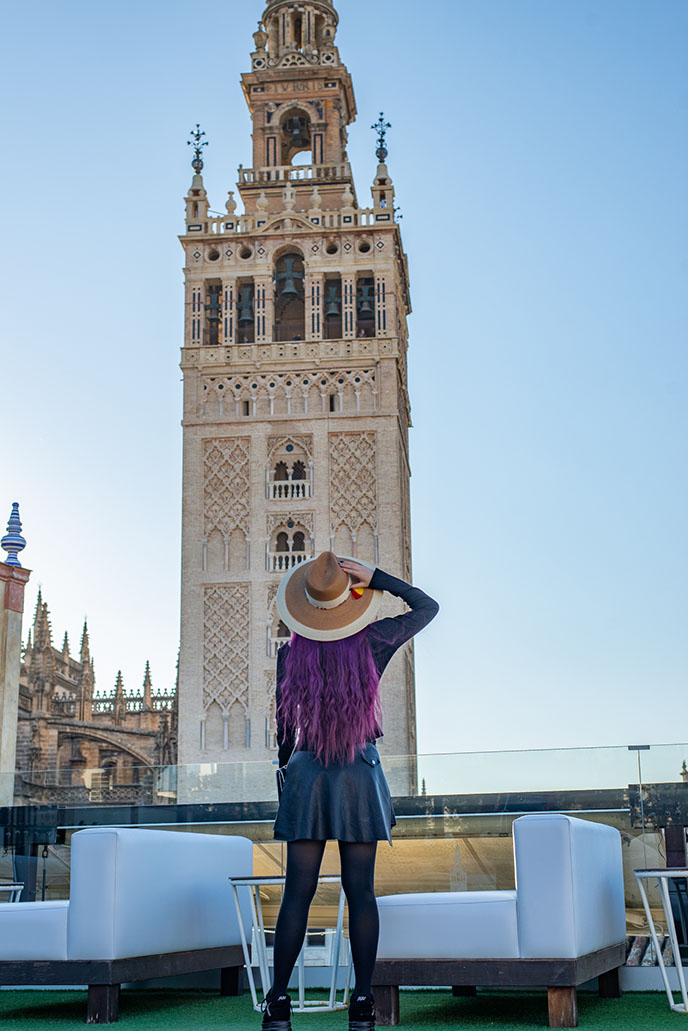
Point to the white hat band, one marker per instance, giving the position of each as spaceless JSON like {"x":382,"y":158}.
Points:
{"x":333,"y":602}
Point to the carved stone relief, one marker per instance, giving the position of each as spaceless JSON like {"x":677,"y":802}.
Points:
{"x":226,"y":485}
{"x":304,"y":519}
{"x":353,"y":480}
{"x":225,"y":645}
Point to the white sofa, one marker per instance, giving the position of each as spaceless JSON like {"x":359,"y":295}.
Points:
{"x":564,"y":924}
{"x":143,"y":903}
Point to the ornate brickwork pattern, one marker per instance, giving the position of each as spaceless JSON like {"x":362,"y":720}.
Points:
{"x":353,"y":480}
{"x":226,"y":485}
{"x":289,"y":393}
{"x":270,"y":709}
{"x":272,"y":594}
{"x":279,"y":443}
{"x":281,"y":519}
{"x":225,"y":645}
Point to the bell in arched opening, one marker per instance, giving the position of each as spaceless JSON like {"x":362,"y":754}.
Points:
{"x":295,"y":137}
{"x":365,"y":307}
{"x":290,"y":310}
{"x":333,"y":308}
{"x":244,"y":305}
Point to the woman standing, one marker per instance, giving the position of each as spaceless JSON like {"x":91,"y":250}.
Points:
{"x":330,"y":781}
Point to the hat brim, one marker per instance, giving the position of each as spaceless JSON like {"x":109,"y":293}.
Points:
{"x":303,"y":618}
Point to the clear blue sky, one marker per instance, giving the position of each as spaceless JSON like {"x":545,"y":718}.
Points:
{"x":540,"y":158}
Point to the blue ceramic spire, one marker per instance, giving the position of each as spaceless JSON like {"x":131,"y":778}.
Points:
{"x":13,"y":542}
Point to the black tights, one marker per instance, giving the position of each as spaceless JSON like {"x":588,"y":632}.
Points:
{"x":358,"y":872}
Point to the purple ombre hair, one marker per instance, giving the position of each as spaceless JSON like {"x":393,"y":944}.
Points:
{"x":330,"y":696}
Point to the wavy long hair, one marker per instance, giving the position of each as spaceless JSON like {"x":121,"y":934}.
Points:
{"x":330,"y":696}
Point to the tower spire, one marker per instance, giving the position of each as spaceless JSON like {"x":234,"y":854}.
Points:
{"x":197,"y":142}
{"x":382,"y":188}
{"x":381,"y":127}
{"x":197,"y":198}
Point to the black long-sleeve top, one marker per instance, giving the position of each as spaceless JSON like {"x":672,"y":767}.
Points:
{"x":385,"y":636}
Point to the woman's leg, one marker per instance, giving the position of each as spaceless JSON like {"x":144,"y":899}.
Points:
{"x":358,"y":881}
{"x":303,"y":866}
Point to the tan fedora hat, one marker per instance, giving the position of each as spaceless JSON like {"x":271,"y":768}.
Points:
{"x":315,"y":600}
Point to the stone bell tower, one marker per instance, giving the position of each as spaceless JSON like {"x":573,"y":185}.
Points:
{"x":296,"y":409}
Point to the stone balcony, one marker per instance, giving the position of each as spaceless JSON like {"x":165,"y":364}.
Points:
{"x":274,"y":645}
{"x":281,"y":561}
{"x":294,"y":173}
{"x":288,"y":490}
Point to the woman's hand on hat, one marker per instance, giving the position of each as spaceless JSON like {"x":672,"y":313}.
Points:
{"x":360,"y":575}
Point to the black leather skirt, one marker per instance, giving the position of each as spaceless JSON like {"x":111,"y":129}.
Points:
{"x":341,"y":802}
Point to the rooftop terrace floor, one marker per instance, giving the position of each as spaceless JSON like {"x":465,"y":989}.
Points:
{"x":207,"y":1011}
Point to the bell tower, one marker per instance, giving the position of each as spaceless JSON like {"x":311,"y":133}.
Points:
{"x":296,"y":409}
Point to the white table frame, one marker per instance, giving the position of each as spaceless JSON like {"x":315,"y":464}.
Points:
{"x":663,"y":876}
{"x":14,"y":888}
{"x":254,"y":885}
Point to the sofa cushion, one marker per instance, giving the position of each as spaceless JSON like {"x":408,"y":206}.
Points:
{"x":138,"y":892}
{"x":33,"y":930}
{"x":448,"y":925}
{"x":570,"y":889}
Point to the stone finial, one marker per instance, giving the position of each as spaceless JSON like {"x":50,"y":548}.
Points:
{"x":65,"y":644}
{"x":13,"y":542}
{"x":289,"y":196}
{"x":197,"y":142}
{"x":316,"y":199}
{"x":230,"y":203}
{"x":347,"y":197}
{"x":262,"y":201}
{"x":260,"y":37}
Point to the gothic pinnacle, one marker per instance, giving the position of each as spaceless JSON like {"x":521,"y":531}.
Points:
{"x":147,"y":687}
{"x":39,"y":605}
{"x":84,"y":648}
{"x":196,"y":137}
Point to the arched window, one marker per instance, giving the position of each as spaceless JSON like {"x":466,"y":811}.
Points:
{"x":282,"y":542}
{"x":290,"y":475}
{"x":287,"y":549}
{"x":290,"y":310}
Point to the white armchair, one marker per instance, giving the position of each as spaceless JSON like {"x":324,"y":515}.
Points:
{"x":143,"y":903}
{"x":564,"y":923}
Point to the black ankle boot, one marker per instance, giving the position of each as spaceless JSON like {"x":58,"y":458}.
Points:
{"x":361,"y":1013}
{"x":276,"y":1012}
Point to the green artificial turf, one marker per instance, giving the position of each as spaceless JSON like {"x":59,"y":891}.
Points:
{"x":203,"y":1011}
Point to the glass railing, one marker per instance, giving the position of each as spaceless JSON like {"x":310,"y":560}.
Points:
{"x":480,"y":774}
{"x":454,"y":813}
